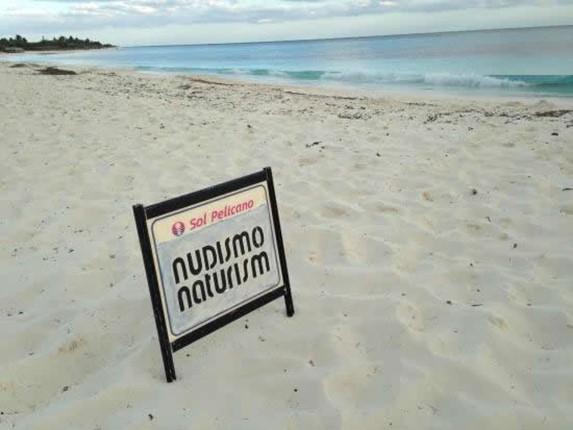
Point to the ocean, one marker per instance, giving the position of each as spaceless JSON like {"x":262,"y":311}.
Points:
{"x":530,"y":62}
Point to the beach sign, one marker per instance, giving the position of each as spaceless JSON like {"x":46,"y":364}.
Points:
{"x":211,"y":257}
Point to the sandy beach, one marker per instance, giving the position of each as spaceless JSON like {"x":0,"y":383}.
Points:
{"x":429,"y":243}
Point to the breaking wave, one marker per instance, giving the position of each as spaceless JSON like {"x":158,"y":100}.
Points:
{"x":547,"y":82}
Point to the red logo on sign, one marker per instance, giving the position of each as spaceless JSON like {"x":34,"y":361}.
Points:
{"x":178,"y":228}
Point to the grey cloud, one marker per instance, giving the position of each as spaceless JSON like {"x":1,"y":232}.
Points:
{"x":86,"y":14}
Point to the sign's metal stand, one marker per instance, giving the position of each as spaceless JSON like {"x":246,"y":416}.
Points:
{"x":143,"y":214}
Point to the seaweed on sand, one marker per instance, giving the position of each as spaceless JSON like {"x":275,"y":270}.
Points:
{"x":56,"y":71}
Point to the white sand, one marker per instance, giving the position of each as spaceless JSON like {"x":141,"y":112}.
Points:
{"x":419,"y":303}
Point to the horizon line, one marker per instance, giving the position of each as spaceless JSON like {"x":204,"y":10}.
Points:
{"x":350,"y":37}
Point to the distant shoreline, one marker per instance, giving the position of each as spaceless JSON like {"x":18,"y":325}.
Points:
{"x":19,"y":44}
{"x":54,"y":50}
{"x":58,"y":51}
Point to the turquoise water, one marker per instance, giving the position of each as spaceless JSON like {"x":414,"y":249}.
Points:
{"x":534,"y":61}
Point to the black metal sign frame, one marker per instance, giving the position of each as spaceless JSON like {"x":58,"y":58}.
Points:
{"x":144,"y":213}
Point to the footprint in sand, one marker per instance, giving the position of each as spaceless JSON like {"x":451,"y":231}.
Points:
{"x":503,"y":237}
{"x":505,"y":222}
{"x":333,"y":211}
{"x":71,"y":346}
{"x":427,"y":196}
{"x":473,"y":228}
{"x":382,"y":208}
{"x":305,"y":161}
{"x":498,"y":322}
{"x":567,"y":210}
{"x":410,"y":316}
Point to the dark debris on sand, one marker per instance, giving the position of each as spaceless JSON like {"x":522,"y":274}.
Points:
{"x":553,"y":113}
{"x":56,"y":71}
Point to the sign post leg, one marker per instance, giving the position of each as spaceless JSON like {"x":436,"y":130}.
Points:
{"x":288,"y":302}
{"x":166,"y":352}
{"x":277,"y":225}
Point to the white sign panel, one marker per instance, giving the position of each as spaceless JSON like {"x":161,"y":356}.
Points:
{"x":214,"y":256}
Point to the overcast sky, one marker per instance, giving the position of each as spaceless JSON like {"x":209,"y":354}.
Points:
{"x":155,"y":22}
